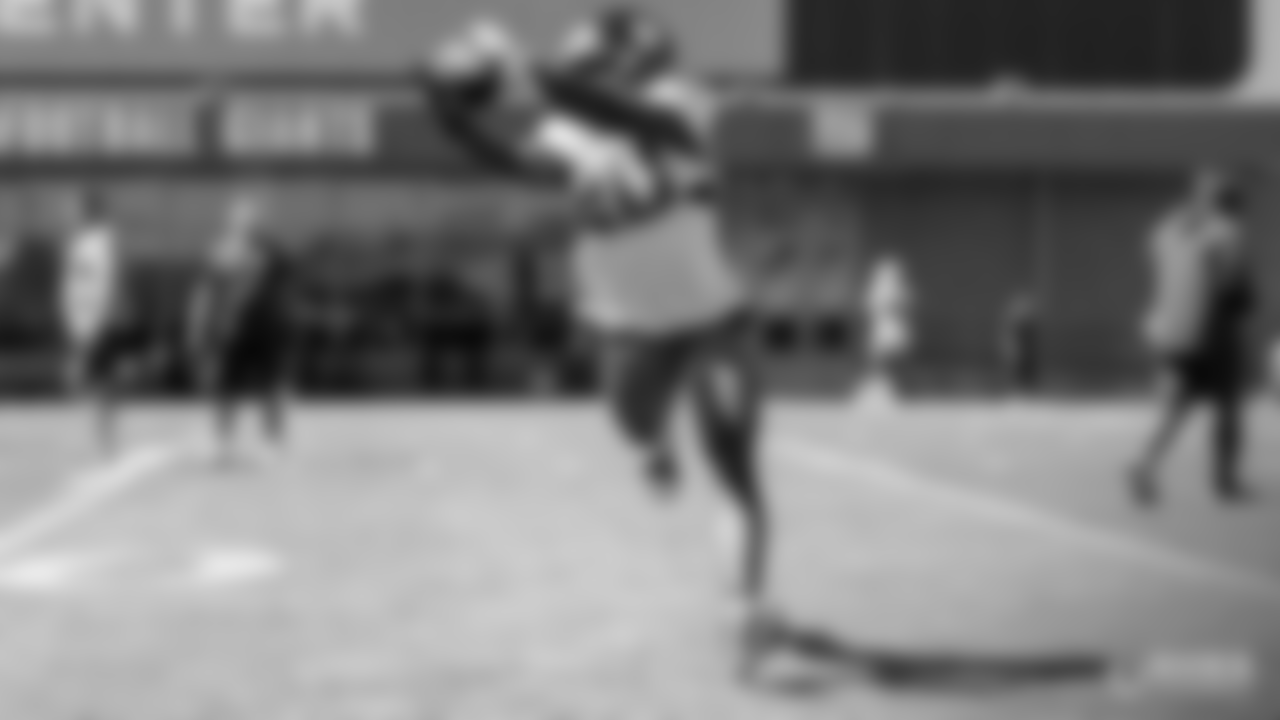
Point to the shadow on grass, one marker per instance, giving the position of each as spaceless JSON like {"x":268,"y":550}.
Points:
{"x":818,"y":662}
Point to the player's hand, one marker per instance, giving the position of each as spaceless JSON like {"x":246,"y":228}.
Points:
{"x":483,"y":67}
{"x":592,"y":161}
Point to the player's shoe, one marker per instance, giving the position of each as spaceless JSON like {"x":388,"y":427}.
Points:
{"x":1235,"y":492}
{"x":663,"y":471}
{"x":763,"y":635}
{"x":1143,"y":487}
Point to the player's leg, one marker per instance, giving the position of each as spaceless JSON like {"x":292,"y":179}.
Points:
{"x":729,"y":404}
{"x":644,"y":378}
{"x":1179,"y":392}
{"x":106,"y":367}
{"x":275,"y":413}
{"x":78,"y":330}
{"x":273,"y":383}
{"x":86,"y":366}
{"x":273,"y":399}
{"x":79,"y":382}
{"x":226,"y":390}
{"x":672,"y":359}
{"x":226,"y":413}
{"x":1228,"y":447}
{"x":730,"y":407}
{"x":1230,"y":427}
{"x":641,"y":391}
{"x":206,"y":341}
{"x":254,"y":384}
{"x":888,"y":336}
{"x":74,"y":367}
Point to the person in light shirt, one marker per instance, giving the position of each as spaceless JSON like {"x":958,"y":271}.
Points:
{"x":887,"y":313}
{"x":628,"y":136}
{"x":1198,"y":328}
{"x":93,"y":312}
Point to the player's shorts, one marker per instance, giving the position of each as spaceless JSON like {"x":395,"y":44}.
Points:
{"x":1212,"y":370}
{"x":890,"y":337}
{"x":646,"y":372}
{"x":97,"y":357}
{"x":87,"y":310}
{"x":94,"y":334}
{"x":251,"y":358}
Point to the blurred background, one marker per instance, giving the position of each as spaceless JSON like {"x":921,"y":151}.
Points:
{"x":1010,"y":155}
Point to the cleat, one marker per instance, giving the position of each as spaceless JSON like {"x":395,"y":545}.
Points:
{"x":662,"y":471}
{"x":1236,"y":493}
{"x":1142,"y":488}
{"x":763,"y":634}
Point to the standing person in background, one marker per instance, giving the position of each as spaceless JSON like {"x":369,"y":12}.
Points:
{"x":887,"y":310}
{"x":238,"y":325}
{"x":1019,"y":344}
{"x":93,"y":311}
{"x":1198,"y":328}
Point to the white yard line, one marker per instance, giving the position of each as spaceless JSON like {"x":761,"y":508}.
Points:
{"x":893,"y":477}
{"x":88,"y":492}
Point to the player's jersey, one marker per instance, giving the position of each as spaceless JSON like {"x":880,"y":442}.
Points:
{"x":1187,"y":250}
{"x":1231,"y":299}
{"x":668,"y":274}
{"x":635,"y":265}
{"x":89,"y":283}
{"x":231,"y":292}
{"x":236,"y":269}
{"x":667,"y":271}
{"x":887,"y":307}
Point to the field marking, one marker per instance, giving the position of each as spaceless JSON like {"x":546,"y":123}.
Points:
{"x":920,"y":486}
{"x":224,"y":566}
{"x":208,"y":568}
{"x":87,"y":492}
{"x":55,"y":572}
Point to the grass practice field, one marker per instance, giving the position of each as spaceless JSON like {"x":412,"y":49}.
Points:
{"x":487,"y":562}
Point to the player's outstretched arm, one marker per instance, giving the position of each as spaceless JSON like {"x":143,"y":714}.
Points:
{"x":649,"y":123}
{"x":484,"y":93}
{"x":468,"y":129}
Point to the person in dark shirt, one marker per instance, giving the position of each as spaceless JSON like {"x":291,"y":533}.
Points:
{"x":238,"y":324}
{"x":1198,"y":328}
